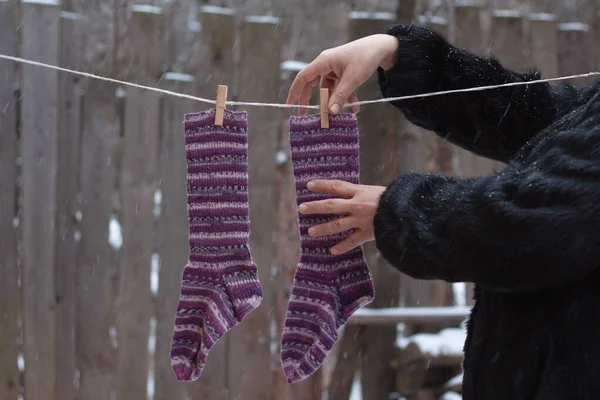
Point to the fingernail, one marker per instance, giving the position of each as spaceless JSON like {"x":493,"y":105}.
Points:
{"x":334,"y":251}
{"x":302,"y":208}
{"x":311,"y":231}
{"x":335,"y":108}
{"x":310,"y":185}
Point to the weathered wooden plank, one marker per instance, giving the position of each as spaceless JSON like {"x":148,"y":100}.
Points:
{"x":508,"y":42}
{"x":138,"y":185}
{"x":544,"y":43}
{"x":592,"y":39}
{"x":510,"y":45}
{"x":261,"y":43}
{"x":434,"y":155}
{"x":407,"y":10}
{"x":95,"y":301}
{"x":172,"y":231}
{"x":385,"y":149}
{"x":347,"y":362}
{"x":39,"y":121}
{"x":10,"y":296}
{"x":216,"y":66}
{"x":470,"y":34}
{"x":287,"y":242}
{"x":217,"y":61}
{"x":573,"y":56}
{"x":441,"y":158}
{"x":67,"y":206}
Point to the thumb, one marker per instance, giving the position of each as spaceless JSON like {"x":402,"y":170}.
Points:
{"x":342,"y":92}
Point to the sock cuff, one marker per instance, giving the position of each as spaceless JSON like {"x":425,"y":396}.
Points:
{"x":217,"y":156}
{"x":310,"y":123}
{"x":217,"y":182}
{"x":232,"y":120}
{"x":318,"y":153}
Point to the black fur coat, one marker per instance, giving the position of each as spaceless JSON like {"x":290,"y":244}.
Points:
{"x":527,"y":236}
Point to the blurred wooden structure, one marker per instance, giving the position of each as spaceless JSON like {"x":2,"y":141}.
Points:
{"x":92,"y":200}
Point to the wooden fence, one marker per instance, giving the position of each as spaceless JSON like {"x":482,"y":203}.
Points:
{"x":93,"y":219}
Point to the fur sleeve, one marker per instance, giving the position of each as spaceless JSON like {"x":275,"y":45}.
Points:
{"x":491,"y":123}
{"x":534,"y":225}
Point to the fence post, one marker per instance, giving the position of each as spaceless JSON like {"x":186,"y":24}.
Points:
{"x":95,"y":352}
{"x":172,"y":230}
{"x":261,"y":44}
{"x":218,"y":37}
{"x":573,"y":56}
{"x":95,"y":304}
{"x":39,"y":121}
{"x":10,"y":295}
{"x":287,"y":243}
{"x":441,"y":155}
{"x":508,"y":40}
{"x":138,"y":183}
{"x":381,"y":158}
{"x":214,"y":66}
{"x":470,"y":34}
{"x":592,"y":38}
{"x":67,"y":206}
{"x":544,"y":43}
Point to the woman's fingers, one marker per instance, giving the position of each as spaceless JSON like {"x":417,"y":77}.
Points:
{"x":358,"y":238}
{"x":328,"y":82}
{"x":338,"y":225}
{"x":328,"y":206}
{"x":319,"y":67}
{"x":348,"y":83}
{"x":305,"y":96}
{"x":337,"y":187}
{"x":353,"y":99}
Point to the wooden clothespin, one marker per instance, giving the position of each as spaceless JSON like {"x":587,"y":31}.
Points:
{"x":325,"y":108}
{"x":220,"y":109}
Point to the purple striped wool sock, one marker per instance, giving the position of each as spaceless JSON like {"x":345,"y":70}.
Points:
{"x":220,"y":283}
{"x":327,"y":289}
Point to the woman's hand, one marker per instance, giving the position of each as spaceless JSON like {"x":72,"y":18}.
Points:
{"x":358,"y":205}
{"x":342,"y":70}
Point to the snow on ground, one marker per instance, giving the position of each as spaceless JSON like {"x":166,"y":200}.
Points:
{"x":451,"y":396}
{"x":263,"y":19}
{"x":43,"y":2}
{"x":292,"y":65}
{"x":457,"y":380}
{"x":507,"y":14}
{"x":542,"y":17}
{"x":145,"y":8}
{"x":465,"y":3}
{"x":386,"y":16}
{"x":177,"y":76}
{"x":217,"y":10}
{"x":449,"y":341}
{"x":115,"y":235}
{"x":460,"y":293}
{"x":573,"y":26}
{"x":356,"y":392}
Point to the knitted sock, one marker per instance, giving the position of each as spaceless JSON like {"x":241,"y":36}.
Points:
{"x":327,"y":288}
{"x":220,"y":283}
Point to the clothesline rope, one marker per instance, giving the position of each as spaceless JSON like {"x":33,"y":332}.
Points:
{"x":278,"y":105}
